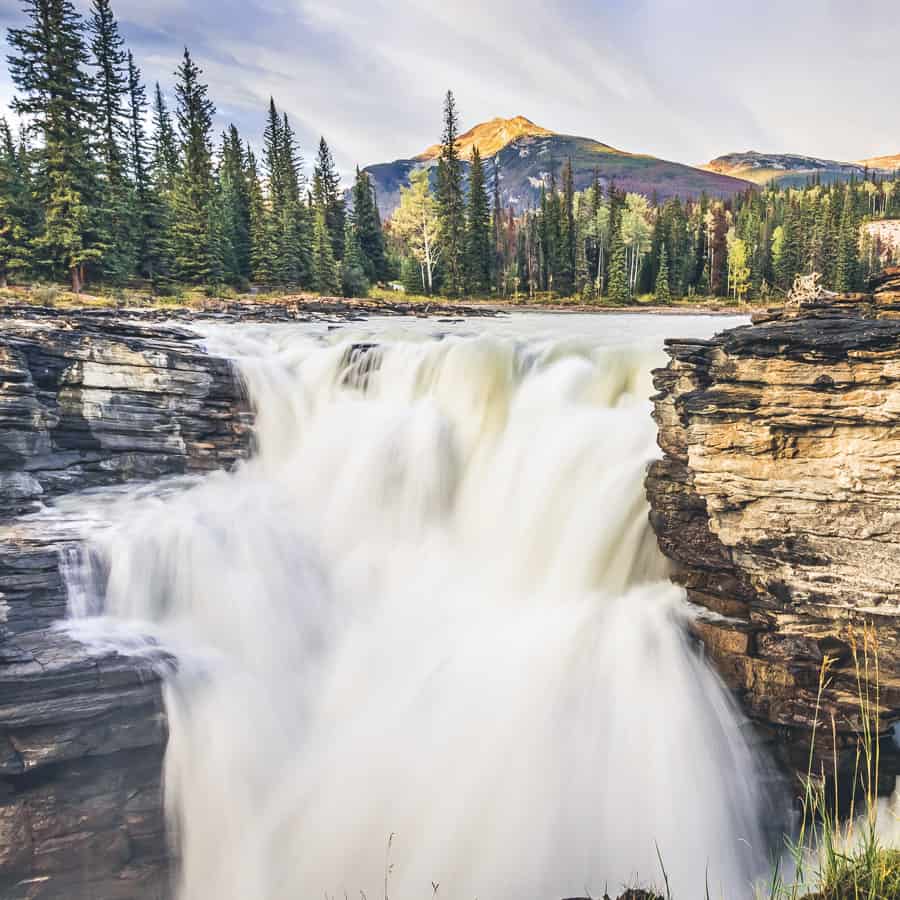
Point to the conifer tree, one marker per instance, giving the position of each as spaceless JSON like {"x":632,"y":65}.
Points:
{"x":790,"y":262}
{"x":367,"y":224}
{"x":450,"y":202}
{"x":47,"y":66}
{"x":662,"y":289}
{"x":111,"y":94}
{"x":15,"y":209}
{"x":478,"y":231}
{"x":499,"y":262}
{"x":354,"y":282}
{"x":165,"y":163}
{"x":327,"y":195}
{"x":565,"y":284}
{"x":619,"y":290}
{"x":848,"y":249}
{"x":326,"y":277}
{"x":261,"y":250}
{"x":235,"y":208}
{"x":147,"y":206}
{"x":194,"y":182}
{"x":296,"y":244}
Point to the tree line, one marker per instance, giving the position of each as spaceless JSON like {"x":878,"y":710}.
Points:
{"x":87,"y":194}
{"x":601,"y":243}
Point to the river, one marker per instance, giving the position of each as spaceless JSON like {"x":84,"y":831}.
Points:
{"x":426,"y":644}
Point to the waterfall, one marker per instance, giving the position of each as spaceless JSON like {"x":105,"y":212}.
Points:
{"x":426,"y":644}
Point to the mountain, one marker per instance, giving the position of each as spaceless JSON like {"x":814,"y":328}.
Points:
{"x":527,"y":154}
{"x":790,"y":169}
{"x":882,"y":163}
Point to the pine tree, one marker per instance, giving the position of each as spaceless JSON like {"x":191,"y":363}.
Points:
{"x":15,"y":208}
{"x":847,"y":269}
{"x":327,"y":194}
{"x":450,"y":202}
{"x":565,"y":283}
{"x":234,"y":197}
{"x":47,"y":66}
{"x":498,"y":227}
{"x":326,"y":277}
{"x":148,"y":219}
{"x":662,"y":288}
{"x":261,"y":251}
{"x":478,"y":231}
{"x":619,"y":290}
{"x":354,"y":282}
{"x":367,"y":225}
{"x":790,"y":261}
{"x":194,"y":183}
{"x":111,"y":94}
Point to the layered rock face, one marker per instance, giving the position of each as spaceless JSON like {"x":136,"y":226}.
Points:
{"x":778,"y":500}
{"x":87,"y":400}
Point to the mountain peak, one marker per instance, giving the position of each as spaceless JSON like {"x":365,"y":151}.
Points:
{"x":491,"y":137}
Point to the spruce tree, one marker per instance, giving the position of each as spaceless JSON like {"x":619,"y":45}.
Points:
{"x":15,"y":209}
{"x":327,"y":195}
{"x":48,"y":67}
{"x":619,"y":290}
{"x":262,"y":252}
{"x":147,"y":205}
{"x":296,"y":223}
{"x":326,"y":277}
{"x":367,"y":224}
{"x":790,"y":262}
{"x":354,"y":282}
{"x":450,"y":201}
{"x":478,"y":231}
{"x":234,"y":202}
{"x":194,"y":183}
{"x":662,"y":289}
{"x":847,"y":269}
{"x":111,"y":94}
{"x":499,"y":263}
{"x":565,"y":284}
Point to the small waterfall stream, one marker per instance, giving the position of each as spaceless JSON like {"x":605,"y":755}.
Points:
{"x":426,"y":643}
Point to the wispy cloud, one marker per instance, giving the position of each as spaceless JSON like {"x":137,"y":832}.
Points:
{"x":682,"y":80}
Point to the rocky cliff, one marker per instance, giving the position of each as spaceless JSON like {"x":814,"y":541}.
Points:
{"x":88,"y":400}
{"x":778,"y":501}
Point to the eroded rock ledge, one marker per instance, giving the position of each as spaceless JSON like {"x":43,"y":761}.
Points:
{"x":89,"y":400}
{"x":778,"y":500}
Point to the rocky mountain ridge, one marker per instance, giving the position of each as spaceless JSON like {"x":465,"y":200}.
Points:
{"x":795,"y":170}
{"x":528,"y":155}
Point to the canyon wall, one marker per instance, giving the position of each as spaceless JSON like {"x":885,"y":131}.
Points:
{"x":89,"y":400}
{"x":778,"y":501}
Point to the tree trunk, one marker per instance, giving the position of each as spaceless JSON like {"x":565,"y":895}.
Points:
{"x":75,"y":272}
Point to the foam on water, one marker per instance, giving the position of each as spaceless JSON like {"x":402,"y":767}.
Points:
{"x":431,"y":607}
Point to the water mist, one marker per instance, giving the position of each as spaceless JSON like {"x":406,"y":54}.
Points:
{"x":430,"y":613}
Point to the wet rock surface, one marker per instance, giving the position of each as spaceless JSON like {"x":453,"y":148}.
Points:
{"x":778,"y":500}
{"x":86,"y":401}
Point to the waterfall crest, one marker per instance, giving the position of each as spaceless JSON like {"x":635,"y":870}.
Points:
{"x":425,"y":636}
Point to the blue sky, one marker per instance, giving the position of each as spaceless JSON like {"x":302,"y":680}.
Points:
{"x":681,"y":80}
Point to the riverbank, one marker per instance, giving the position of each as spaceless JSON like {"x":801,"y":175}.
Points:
{"x":292,"y":306}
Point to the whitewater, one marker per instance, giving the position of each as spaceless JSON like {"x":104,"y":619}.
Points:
{"x":425,"y":641}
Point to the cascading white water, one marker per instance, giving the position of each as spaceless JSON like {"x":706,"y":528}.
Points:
{"x":431,"y":607}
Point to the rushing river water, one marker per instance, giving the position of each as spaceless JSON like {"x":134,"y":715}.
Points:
{"x":426,"y":643}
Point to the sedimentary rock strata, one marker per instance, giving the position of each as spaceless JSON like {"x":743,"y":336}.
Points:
{"x":88,"y":400}
{"x":778,"y":499}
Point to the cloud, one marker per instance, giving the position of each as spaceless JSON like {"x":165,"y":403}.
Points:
{"x":683,"y":80}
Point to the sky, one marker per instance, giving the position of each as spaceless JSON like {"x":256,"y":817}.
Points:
{"x":685,"y":81}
